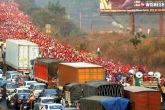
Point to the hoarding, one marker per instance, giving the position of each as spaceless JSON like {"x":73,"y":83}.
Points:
{"x":108,"y":7}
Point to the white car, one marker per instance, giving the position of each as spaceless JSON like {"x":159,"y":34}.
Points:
{"x":1,"y":73}
{"x":53,"y":106}
{"x":37,"y":88}
{"x":20,"y":90}
{"x":41,"y":101}
{"x":13,"y":77}
{"x":27,"y":84}
{"x":8,"y":73}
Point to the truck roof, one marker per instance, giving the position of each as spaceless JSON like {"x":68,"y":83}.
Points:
{"x":48,"y":60}
{"x":21,"y":42}
{"x":80,"y":64}
{"x":138,"y":89}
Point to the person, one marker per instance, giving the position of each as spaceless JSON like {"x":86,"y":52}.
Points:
{"x":163,"y":91}
{"x":23,"y":102}
{"x":98,"y":51}
{"x":106,"y":78}
{"x":148,"y":32}
{"x":8,"y":99}
{"x":66,"y":104}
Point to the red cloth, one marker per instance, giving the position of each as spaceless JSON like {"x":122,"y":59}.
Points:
{"x":145,"y":78}
{"x":151,"y":79}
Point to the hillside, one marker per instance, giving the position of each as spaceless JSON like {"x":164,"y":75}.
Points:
{"x":118,"y":47}
{"x":114,"y":45}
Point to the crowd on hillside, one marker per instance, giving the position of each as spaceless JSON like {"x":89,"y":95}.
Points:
{"x":15,"y":24}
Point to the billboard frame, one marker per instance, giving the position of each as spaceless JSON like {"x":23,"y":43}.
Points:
{"x":127,"y":7}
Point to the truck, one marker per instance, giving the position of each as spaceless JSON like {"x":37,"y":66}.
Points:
{"x":18,"y":54}
{"x":45,"y":70}
{"x":70,"y":78}
{"x":57,"y":73}
{"x":78,"y":72}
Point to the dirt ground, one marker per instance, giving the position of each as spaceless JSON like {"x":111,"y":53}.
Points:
{"x":94,"y":39}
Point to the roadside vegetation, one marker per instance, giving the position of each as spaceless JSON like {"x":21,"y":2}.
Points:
{"x":149,"y":51}
{"x":53,"y":14}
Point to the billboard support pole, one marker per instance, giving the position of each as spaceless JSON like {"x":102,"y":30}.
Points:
{"x":132,"y":29}
{"x":161,"y":24}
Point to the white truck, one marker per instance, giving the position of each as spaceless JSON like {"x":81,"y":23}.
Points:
{"x":18,"y":55}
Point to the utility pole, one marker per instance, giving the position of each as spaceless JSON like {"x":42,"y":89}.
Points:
{"x":132,"y":24}
{"x":161,"y":24}
{"x":80,"y":20}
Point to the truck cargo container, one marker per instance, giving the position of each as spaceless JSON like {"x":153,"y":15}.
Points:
{"x":79,"y":72}
{"x":76,"y":91}
{"x":45,"y":70}
{"x":143,"y":98}
{"x":104,"y":103}
{"x":103,"y":88}
{"x":19,"y":53}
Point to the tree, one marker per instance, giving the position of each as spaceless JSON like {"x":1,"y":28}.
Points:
{"x":57,"y":8}
{"x":136,"y":40}
{"x":32,"y":2}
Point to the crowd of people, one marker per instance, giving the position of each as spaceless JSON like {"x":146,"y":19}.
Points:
{"x":15,"y":24}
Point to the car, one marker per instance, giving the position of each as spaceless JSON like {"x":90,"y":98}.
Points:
{"x":28,"y":83}
{"x":1,"y":95}
{"x":1,"y":73}
{"x":20,"y":90}
{"x":17,"y":98}
{"x":22,"y":78}
{"x":13,"y":77}
{"x":2,"y":82}
{"x":50,"y":93}
{"x":37,"y":88}
{"x":8,"y":73}
{"x":41,"y":101}
{"x":54,"y":106}
{"x":9,"y":87}
{"x":70,"y":108}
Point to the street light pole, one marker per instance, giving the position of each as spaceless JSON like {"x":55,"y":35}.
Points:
{"x":80,"y":20}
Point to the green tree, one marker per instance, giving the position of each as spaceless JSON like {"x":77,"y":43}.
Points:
{"x":41,"y":18}
{"x":59,"y":16}
{"x":137,"y":39}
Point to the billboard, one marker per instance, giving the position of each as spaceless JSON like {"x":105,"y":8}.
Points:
{"x":108,"y":7}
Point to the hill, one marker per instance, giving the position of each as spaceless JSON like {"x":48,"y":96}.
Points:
{"x":117,"y":46}
{"x":114,"y":45}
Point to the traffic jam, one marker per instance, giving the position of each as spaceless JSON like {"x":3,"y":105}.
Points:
{"x":39,"y":73}
{"x":20,"y":92}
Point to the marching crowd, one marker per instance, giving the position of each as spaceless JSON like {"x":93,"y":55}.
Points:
{"x":15,"y":24}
